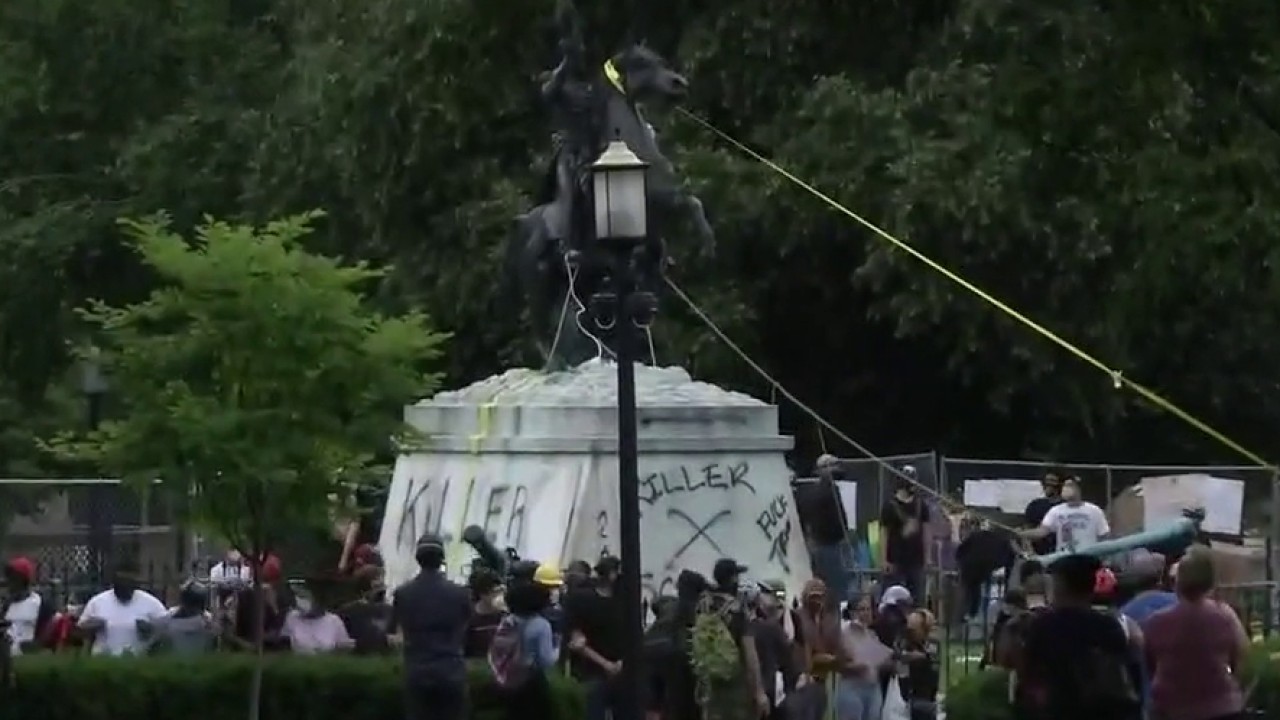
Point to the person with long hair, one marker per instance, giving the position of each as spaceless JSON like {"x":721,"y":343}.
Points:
{"x":822,"y":650}
{"x":528,"y":602}
{"x":679,"y":698}
{"x":858,"y":695}
{"x":1195,"y":648}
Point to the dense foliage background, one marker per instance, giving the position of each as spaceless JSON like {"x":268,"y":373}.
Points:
{"x":1109,"y":168}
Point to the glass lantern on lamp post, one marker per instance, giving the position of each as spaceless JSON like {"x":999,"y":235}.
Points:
{"x":618,"y":181}
{"x":620,"y":198}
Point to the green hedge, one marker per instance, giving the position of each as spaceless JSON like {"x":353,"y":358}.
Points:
{"x":984,"y":695}
{"x":216,"y":687}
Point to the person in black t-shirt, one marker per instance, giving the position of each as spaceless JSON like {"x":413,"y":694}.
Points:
{"x":825,"y":528}
{"x":904,"y":521}
{"x":1038,"y":508}
{"x":429,"y":615}
{"x":1075,"y":660}
{"x":594,"y":623}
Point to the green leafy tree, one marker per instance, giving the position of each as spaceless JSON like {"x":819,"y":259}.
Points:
{"x":254,"y":380}
{"x":1108,"y":168}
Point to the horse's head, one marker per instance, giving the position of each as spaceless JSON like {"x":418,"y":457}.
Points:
{"x":646,"y":76}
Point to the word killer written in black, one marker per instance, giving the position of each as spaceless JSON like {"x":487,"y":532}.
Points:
{"x":695,"y":479}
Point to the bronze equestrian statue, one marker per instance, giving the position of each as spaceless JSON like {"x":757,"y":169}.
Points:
{"x":551,"y":254}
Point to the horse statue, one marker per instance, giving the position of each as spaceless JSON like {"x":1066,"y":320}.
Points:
{"x":551,"y":254}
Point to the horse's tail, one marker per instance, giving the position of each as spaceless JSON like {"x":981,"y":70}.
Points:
{"x":514,"y":254}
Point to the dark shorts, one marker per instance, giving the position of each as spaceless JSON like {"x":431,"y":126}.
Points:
{"x":435,"y":702}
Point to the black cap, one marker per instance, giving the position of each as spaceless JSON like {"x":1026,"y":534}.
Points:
{"x":726,"y":570}
{"x":431,"y":541}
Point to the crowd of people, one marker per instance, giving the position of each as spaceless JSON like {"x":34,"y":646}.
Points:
{"x":528,"y":623}
{"x":1079,"y":641}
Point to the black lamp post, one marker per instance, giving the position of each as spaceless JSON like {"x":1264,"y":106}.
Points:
{"x":621,"y":229}
{"x":94,"y":385}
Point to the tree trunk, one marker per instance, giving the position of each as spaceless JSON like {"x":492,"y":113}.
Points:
{"x":259,"y":634}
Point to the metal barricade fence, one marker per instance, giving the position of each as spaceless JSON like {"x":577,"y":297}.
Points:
{"x":1095,"y":480}
{"x":876,"y":484}
{"x":1100,"y":483}
{"x":1257,"y":483}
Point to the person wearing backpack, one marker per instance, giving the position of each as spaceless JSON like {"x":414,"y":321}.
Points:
{"x":722,"y":651}
{"x":1076,"y":661}
{"x":523,"y":650}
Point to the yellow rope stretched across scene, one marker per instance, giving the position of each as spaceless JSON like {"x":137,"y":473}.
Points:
{"x":775,"y":386}
{"x":1117,"y":377}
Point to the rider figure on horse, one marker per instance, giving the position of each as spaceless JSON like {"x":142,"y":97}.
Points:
{"x":571,"y":94}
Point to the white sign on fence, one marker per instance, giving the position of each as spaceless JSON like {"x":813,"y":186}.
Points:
{"x":1165,"y":498}
{"x":1010,"y":496}
{"x":849,"y":501}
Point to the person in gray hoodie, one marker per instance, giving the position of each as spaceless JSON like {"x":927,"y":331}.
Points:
{"x":188,"y":629}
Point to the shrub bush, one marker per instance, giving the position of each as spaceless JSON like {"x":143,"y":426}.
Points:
{"x":984,"y":695}
{"x":216,"y":687}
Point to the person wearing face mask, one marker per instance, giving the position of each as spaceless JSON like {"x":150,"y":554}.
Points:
{"x":1075,"y":523}
{"x":119,"y":620}
{"x":904,"y":519}
{"x":490,"y":607}
{"x":311,"y":629}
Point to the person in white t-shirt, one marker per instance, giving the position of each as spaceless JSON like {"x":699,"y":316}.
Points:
{"x":119,"y":620}
{"x":1075,"y":523}
{"x":25,"y":614}
{"x":232,"y":572}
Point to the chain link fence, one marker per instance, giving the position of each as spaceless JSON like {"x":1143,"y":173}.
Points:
{"x":1100,"y":483}
{"x":876,"y":483}
{"x":74,"y":530}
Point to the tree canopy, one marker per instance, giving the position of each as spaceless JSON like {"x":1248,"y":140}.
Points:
{"x":254,"y":381}
{"x":1109,"y":169}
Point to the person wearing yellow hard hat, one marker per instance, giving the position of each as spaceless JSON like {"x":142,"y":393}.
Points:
{"x":548,"y":576}
{"x":524,"y":650}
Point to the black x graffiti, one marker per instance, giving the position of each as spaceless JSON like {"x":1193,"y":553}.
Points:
{"x":699,"y":531}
